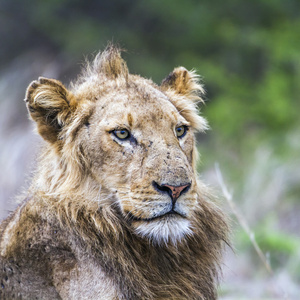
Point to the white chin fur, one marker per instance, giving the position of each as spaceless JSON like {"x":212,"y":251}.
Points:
{"x":164,"y":230}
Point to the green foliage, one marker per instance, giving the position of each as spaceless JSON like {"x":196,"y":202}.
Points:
{"x":276,"y":244}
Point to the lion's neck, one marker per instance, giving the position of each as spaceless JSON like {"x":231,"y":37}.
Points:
{"x":138,"y":268}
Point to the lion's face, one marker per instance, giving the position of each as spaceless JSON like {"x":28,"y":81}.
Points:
{"x":142,"y":148}
{"x":138,"y":139}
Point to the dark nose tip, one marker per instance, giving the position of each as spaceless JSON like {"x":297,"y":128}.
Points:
{"x":174,"y":191}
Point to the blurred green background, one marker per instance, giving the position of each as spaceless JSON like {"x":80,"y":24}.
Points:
{"x":248,"y":54}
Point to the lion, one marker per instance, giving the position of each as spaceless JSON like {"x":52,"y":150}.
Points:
{"x":115,"y":209}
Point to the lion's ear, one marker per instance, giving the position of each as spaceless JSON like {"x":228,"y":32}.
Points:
{"x":185,"y":83}
{"x":50,"y":105}
{"x":185,"y":91}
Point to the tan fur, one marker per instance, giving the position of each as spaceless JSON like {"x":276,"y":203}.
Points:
{"x":99,"y":221}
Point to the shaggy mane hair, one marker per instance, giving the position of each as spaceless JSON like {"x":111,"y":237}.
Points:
{"x":70,"y":235}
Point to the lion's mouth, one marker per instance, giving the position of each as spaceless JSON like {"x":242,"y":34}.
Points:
{"x":171,"y":213}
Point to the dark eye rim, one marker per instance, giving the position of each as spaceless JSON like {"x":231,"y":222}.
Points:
{"x":185,"y":128}
{"x":121,"y":129}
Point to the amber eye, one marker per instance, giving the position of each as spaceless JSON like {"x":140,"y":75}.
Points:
{"x":181,"y":131}
{"x":121,"y":134}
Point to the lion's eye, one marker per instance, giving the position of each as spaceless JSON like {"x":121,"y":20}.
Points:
{"x":121,"y":134}
{"x":181,"y":131}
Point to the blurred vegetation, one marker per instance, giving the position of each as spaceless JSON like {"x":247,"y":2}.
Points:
{"x":248,"y":53}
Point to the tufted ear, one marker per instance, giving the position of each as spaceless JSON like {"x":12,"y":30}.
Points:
{"x":185,"y":83}
{"x":50,"y":105}
{"x":185,"y":91}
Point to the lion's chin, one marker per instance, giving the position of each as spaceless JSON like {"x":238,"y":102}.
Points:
{"x":169,"y":229}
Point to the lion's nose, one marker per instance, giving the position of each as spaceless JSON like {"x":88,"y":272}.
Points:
{"x":174,"y":191}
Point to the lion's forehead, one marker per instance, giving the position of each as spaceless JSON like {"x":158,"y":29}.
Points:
{"x":137,"y":111}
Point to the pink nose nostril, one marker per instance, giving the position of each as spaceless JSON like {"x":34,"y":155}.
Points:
{"x":173,"y":191}
{"x":176,"y":190}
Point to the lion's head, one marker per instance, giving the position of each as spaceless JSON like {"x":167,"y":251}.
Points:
{"x":125,"y":137}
